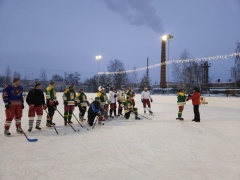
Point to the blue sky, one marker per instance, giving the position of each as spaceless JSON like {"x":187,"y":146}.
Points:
{"x":66,"y":35}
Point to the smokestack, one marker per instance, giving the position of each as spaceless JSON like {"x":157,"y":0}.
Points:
{"x":163,"y":66}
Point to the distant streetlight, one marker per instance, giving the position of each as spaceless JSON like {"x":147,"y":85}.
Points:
{"x":98,"y":58}
{"x":167,"y":37}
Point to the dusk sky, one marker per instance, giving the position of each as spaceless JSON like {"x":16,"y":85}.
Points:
{"x":66,"y":35}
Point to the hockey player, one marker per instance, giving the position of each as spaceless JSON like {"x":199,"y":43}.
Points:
{"x":104,"y":103}
{"x":35,"y":100}
{"x":196,"y":102}
{"x":121,"y":97}
{"x":130,"y":93}
{"x":112,"y":99}
{"x":82,"y":103}
{"x":93,"y":111}
{"x":128,"y":109}
{"x":146,"y":98}
{"x":69,"y":96}
{"x":51,"y":102}
{"x":181,"y":101}
{"x":13,"y":99}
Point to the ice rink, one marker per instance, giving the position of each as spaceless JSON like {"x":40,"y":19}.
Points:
{"x":156,"y":149}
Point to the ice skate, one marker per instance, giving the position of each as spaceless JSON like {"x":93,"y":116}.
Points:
{"x":49,"y":124}
{"x":137,"y":118}
{"x":70,"y":122}
{"x":150,"y":112}
{"x":7,"y":133}
{"x":29,"y":129}
{"x":19,"y":130}
{"x":38,"y":128}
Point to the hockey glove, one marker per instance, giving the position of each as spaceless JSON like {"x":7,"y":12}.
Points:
{"x":151,"y":100}
{"x":115,"y":95}
{"x":142,"y":100}
{"x":7,"y":106}
{"x":56,"y":103}
{"x":44,"y":106}
{"x":65,"y":103}
{"x":22,"y":106}
{"x":88,"y":104}
{"x":51,"y":102}
{"x":75,"y":104}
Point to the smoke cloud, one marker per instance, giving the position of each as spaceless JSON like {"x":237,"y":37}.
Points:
{"x":137,"y":12}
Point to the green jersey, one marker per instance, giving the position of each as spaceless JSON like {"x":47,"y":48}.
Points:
{"x":69,"y":95}
{"x":50,"y":93}
{"x":81,"y":99}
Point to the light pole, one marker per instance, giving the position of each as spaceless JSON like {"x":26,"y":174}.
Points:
{"x":98,"y":58}
{"x":167,"y":38}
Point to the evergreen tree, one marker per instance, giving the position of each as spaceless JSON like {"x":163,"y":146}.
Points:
{"x":145,"y":81}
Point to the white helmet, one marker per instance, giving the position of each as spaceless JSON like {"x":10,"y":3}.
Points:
{"x":100,"y":88}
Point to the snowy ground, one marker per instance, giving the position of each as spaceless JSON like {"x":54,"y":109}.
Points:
{"x":161,"y":148}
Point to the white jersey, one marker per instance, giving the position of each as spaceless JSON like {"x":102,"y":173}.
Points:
{"x":112,"y":99}
{"x":145,"y":95}
{"x":121,"y":95}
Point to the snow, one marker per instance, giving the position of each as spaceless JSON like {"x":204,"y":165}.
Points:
{"x":161,"y":148}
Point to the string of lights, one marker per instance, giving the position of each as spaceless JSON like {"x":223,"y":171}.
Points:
{"x":211,"y":58}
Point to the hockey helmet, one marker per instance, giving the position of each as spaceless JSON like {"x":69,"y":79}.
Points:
{"x":100,"y":88}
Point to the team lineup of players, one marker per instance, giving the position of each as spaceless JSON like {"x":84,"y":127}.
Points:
{"x":103,"y":107}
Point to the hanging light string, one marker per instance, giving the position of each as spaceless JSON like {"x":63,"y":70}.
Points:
{"x":218,"y":57}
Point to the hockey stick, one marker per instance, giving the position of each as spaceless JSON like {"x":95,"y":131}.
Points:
{"x":95,"y":122}
{"x":29,"y":140}
{"x":144,"y":116}
{"x":78,"y":121}
{"x":49,"y":117}
{"x":63,"y":118}
{"x":151,"y":113}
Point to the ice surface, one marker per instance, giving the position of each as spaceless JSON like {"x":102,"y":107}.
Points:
{"x":161,"y":148}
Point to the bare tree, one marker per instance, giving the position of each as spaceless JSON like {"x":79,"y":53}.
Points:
{"x":133,"y":78}
{"x":8,"y":75}
{"x":17,"y":74}
{"x":189,"y":74}
{"x":43,"y":75}
{"x":72,"y":78}
{"x":120,"y":78}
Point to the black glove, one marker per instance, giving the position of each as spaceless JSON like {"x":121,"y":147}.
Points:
{"x":7,"y":106}
{"x":22,"y":106}
{"x":56,"y":103}
{"x":75,"y":104}
{"x":189,"y":95}
{"x":88,"y":104}
{"x":142,"y":100}
{"x":115,"y":95}
{"x":118,"y":101}
{"x":65,"y":103}
{"x":151,"y":100}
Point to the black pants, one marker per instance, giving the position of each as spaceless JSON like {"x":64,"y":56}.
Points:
{"x":196,"y":112}
{"x":127,"y":115}
{"x":51,"y":111}
{"x":91,"y":119}
{"x":82,"y":110}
